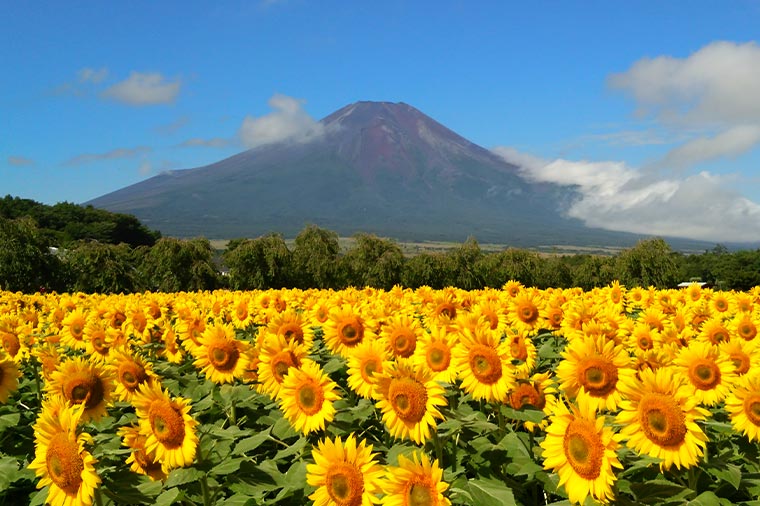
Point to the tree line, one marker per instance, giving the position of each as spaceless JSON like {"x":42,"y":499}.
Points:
{"x":315,"y":260}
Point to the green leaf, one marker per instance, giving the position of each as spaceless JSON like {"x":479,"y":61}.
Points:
{"x":182,"y":476}
{"x":8,"y":471}
{"x":728,"y":472}
{"x":169,"y":497}
{"x":292,"y":449}
{"x":239,"y":500}
{"x":490,"y":493}
{"x":655,"y":491}
{"x":251,"y":443}
{"x":10,"y":420}
{"x":227,"y":466}
{"x":523,"y":414}
{"x":40,"y":497}
{"x":708,"y":498}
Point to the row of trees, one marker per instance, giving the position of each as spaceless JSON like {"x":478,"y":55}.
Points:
{"x":316,"y":260}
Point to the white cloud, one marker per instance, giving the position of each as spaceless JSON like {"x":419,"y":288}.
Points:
{"x":144,"y":89}
{"x":717,"y":84}
{"x":174,"y":126}
{"x":729,"y":143}
{"x":614,"y":196}
{"x":95,"y":76}
{"x":114,"y":154}
{"x":20,"y":161}
{"x":288,"y":122}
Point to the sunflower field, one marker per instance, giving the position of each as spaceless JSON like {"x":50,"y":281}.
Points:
{"x":364,"y":396}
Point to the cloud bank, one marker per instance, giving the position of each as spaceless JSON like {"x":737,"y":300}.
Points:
{"x":144,"y":89}
{"x":714,"y":89}
{"x":614,"y":196}
{"x":216,"y":142}
{"x":287,"y":122}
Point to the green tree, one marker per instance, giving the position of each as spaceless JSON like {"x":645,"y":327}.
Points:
{"x":520,"y":265}
{"x":95,"y":267}
{"x":372,"y":261}
{"x":460,"y":266}
{"x":593,"y":271}
{"x":650,"y":263}
{"x":424,"y":269}
{"x":173,"y":265}
{"x":315,"y":258}
{"x":26,"y":262}
{"x":258,"y":263}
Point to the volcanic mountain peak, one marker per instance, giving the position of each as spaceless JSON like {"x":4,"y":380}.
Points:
{"x":377,"y":167}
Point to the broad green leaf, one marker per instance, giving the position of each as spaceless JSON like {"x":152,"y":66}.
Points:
{"x":251,"y":443}
{"x":227,"y":466}
{"x":239,"y":500}
{"x":292,"y":449}
{"x":709,"y":498}
{"x":169,"y":497}
{"x":8,"y":471}
{"x":10,"y":420}
{"x":490,"y":493}
{"x":182,"y":476}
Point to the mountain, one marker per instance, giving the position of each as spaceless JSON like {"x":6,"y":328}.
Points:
{"x":378,"y":167}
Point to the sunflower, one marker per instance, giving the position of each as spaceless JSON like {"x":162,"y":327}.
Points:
{"x":401,"y":334}
{"x":522,"y":351}
{"x":9,"y":338}
{"x":444,"y":309}
{"x":434,"y":354}
{"x":710,"y":373}
{"x":659,"y":418}
{"x":140,"y":460}
{"x":189,"y":328}
{"x":83,"y":382}
{"x":581,"y":449}
{"x":743,"y":403}
{"x":307,"y":397}
{"x":365,"y":362}
{"x":524,"y":311}
{"x":345,"y":474}
{"x":538,"y":391}
{"x":9,"y":375}
{"x":345,"y":329}
{"x":483,"y":362}
{"x":48,"y":357}
{"x":744,"y":355}
{"x":491,"y":314}
{"x":745,"y":325}
{"x":511,"y":288}
{"x":60,"y":460}
{"x":293,"y":326}
{"x":72,"y":329}
{"x":720,"y":303}
{"x":130,"y":371}
{"x":593,"y":368}
{"x":409,"y":400}
{"x":242,"y":316}
{"x":100,"y":338}
{"x":167,"y":425}
{"x":415,"y":482}
{"x":277,"y":356}
{"x":713,"y":331}
{"x":693,"y":292}
{"x":171,"y":350}
{"x":219,"y":356}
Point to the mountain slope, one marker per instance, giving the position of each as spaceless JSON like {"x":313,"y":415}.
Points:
{"x":378,"y":167}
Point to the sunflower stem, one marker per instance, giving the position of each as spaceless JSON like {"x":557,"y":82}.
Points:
{"x":233,"y":412}
{"x":36,"y":373}
{"x":438,"y":448}
{"x":204,"y":489}
{"x":98,"y":497}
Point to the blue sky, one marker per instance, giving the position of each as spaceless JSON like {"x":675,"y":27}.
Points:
{"x":652,"y":108}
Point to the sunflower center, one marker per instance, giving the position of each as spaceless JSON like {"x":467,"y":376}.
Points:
{"x":369,"y":368}
{"x":223,"y":356}
{"x":404,"y":344}
{"x":583,"y":448}
{"x":76,"y":329}
{"x":438,"y":357}
{"x":131,"y":375}
{"x":309,"y":398}
{"x":747,"y":331}
{"x":518,"y":349}
{"x":485,"y":364}
{"x":281,"y":363}
{"x":528,"y":313}
{"x":752,"y":408}
{"x":99,"y":344}
{"x":84,"y":388}
{"x":408,"y":398}
{"x":598,"y":376}
{"x":64,"y":464}
{"x":718,"y":335}
{"x":351,"y":332}
{"x":741,"y":362}
{"x":11,"y":344}
{"x":704,"y":374}
{"x":293,"y":332}
{"x":447,"y":310}
{"x":345,"y":484}
{"x":420,"y":494}
{"x":662,"y":420}
{"x":167,"y":424}
{"x":527,"y":395}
